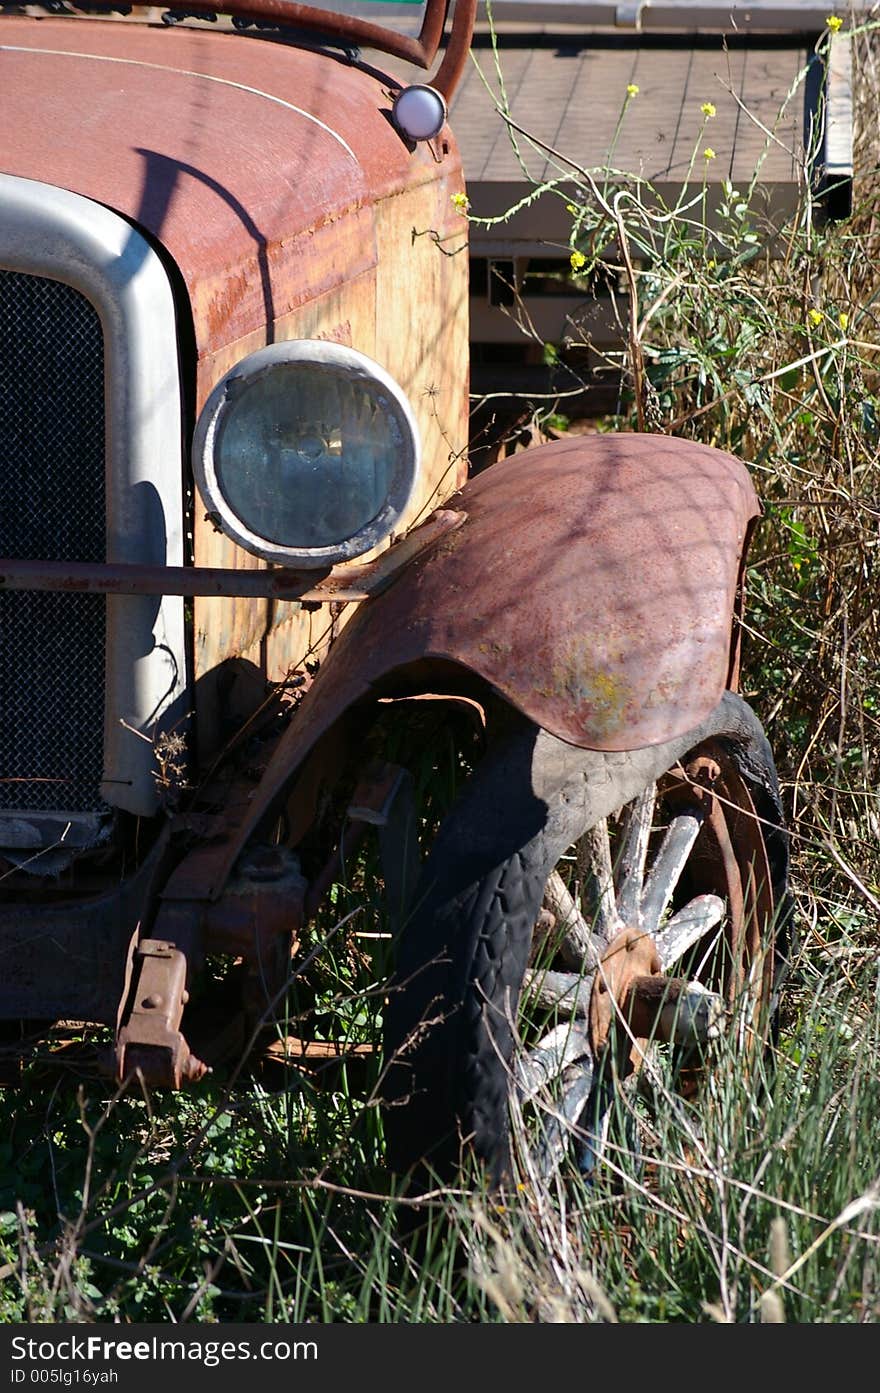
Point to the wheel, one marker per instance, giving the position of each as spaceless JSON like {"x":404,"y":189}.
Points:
{"x":682,"y":842}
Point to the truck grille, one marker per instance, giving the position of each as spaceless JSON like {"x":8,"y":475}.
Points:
{"x":52,"y":507}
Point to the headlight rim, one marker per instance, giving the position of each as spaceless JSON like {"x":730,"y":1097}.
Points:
{"x":354,"y":365}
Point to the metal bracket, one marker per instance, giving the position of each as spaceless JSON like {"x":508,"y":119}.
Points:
{"x":385,"y":797}
{"x":149,"y":1037}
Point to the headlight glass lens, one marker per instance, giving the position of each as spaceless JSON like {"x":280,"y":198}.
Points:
{"x":305,"y":457}
{"x":307,"y":453}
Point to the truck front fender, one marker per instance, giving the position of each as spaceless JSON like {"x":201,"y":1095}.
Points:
{"x":592,"y":584}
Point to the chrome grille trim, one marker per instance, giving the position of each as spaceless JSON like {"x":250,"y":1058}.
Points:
{"x":49,"y":233}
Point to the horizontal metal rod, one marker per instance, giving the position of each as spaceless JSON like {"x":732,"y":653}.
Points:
{"x":122,"y":578}
{"x":662,"y":1008}
{"x":418,"y":50}
{"x":344,"y":582}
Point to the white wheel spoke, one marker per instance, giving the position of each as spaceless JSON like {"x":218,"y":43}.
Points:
{"x":578,"y":947}
{"x":687,"y":927}
{"x":557,"y":1126}
{"x":599,"y":881}
{"x":593,"y":1140}
{"x":630,"y":869}
{"x":568,"y":993}
{"x":674,"y":851}
{"x":546,"y":1061}
{"x":622,"y":887}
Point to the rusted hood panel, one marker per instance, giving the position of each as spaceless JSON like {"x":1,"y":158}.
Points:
{"x":592,"y":584}
{"x":255,"y":164}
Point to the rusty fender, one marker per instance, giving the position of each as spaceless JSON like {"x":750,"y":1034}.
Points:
{"x":593,"y":584}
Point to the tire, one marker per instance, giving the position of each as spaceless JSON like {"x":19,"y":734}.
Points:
{"x":462,"y":955}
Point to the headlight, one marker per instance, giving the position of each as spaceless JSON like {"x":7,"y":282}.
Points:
{"x":307,"y":453}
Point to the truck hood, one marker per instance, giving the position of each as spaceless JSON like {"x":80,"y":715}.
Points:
{"x":240,"y":156}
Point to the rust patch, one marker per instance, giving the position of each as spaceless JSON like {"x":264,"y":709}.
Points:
{"x":631,"y":954}
{"x":149,"y":1038}
{"x":597,"y":693}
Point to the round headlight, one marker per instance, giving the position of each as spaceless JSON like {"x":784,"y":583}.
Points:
{"x":307,"y":453}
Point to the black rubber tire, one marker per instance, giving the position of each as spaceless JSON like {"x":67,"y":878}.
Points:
{"x":462,"y":954}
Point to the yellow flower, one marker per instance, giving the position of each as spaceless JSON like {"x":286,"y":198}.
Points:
{"x":570,"y":208}
{"x":815,"y":316}
{"x":632,"y":89}
{"x":843,"y":321}
{"x":708,"y":153}
{"x":710,"y":264}
{"x":834,"y":22}
{"x":461,"y":202}
{"x":578,"y":260}
{"x":708,"y":110}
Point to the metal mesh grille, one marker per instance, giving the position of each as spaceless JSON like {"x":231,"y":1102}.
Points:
{"x":51,"y":508}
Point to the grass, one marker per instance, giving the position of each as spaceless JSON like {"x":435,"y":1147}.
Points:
{"x":267,"y":1198}
{"x":282,"y":1212}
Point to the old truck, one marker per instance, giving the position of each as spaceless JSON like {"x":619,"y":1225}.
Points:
{"x":234,"y":521}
